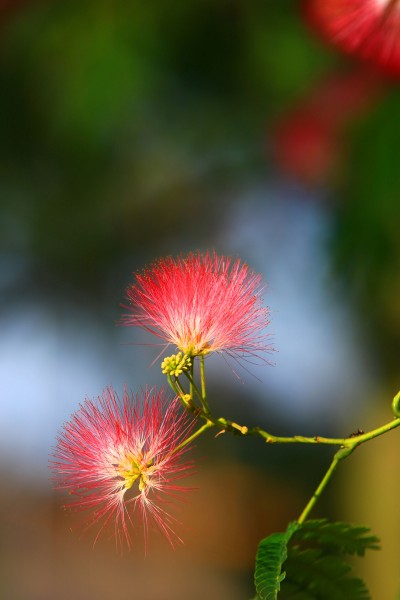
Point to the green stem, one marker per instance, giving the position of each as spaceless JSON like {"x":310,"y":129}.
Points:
{"x":396,"y":405}
{"x":349,"y":442}
{"x":315,"y":497}
{"x":173,"y":385}
{"x":348,"y":446}
{"x":340,"y":455}
{"x":296,"y":439}
{"x":203,"y":379}
{"x":194,"y":435}
{"x":191,"y":380}
{"x":360,"y":439}
{"x":180,"y":392}
{"x":193,"y":386}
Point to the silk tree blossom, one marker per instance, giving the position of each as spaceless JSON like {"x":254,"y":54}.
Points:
{"x":120,"y":459}
{"x":369,"y":29}
{"x":201,"y":303}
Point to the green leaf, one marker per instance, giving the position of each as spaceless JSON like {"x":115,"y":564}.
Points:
{"x":321,"y":577}
{"x":271,"y":554}
{"x":337,"y":537}
{"x":292,"y":592}
{"x":307,"y":562}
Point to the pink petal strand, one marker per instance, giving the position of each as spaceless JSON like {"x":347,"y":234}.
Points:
{"x":201,"y":303}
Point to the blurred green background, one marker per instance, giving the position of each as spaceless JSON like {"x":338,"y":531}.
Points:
{"x":131,"y":130}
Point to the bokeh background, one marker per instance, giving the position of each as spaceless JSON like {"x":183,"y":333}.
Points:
{"x":131,"y":130}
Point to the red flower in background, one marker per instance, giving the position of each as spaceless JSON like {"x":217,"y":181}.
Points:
{"x":369,"y":29}
{"x":201,"y":303}
{"x":307,"y":141}
{"x":304,"y":146}
{"x":120,"y":459}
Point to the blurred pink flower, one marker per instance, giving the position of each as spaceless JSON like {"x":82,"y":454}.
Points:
{"x":201,"y":303}
{"x":307,"y":141}
{"x":305,"y":146}
{"x":369,"y":29}
{"x":120,"y":458}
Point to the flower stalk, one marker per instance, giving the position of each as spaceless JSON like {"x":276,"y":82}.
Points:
{"x":346,"y":445}
{"x":194,"y":435}
{"x":350,"y":442}
{"x":316,"y":495}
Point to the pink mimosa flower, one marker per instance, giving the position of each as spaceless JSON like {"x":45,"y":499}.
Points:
{"x":369,"y":29}
{"x":201,"y":303}
{"x":121,"y":458}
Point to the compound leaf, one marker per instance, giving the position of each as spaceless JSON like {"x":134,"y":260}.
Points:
{"x":307,"y":562}
{"x":271,"y":554}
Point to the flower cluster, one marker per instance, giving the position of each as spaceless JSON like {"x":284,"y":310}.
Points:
{"x":201,"y":304}
{"x":122,"y":457}
{"x":176,"y":364}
